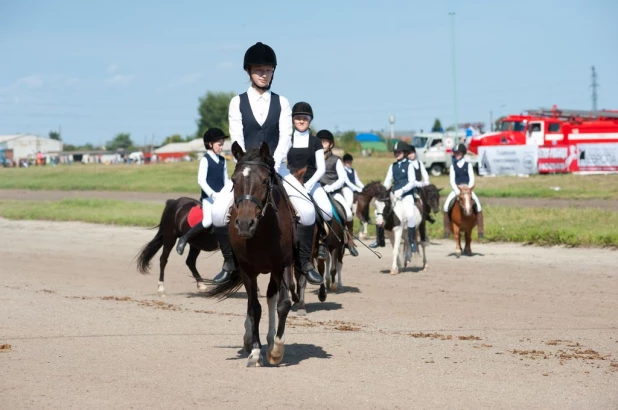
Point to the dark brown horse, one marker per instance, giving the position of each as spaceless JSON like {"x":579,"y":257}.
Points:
{"x":363,"y":201}
{"x":262,"y":237}
{"x":429,"y":202}
{"x":463,"y":218}
{"x":173,"y":225}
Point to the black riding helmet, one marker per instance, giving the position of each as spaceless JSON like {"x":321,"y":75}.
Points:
{"x":402,"y":146}
{"x":461,"y":148}
{"x":348,"y":158}
{"x":260,"y":54}
{"x":326,"y":135}
{"x":212,"y":135}
{"x":302,"y":108}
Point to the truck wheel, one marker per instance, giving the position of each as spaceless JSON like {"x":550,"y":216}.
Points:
{"x":436,"y":170}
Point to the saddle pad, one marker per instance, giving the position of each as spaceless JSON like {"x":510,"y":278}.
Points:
{"x":195,"y":216}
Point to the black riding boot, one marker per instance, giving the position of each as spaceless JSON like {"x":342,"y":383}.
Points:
{"x":412,"y":239}
{"x":182,"y":242}
{"x":379,"y":238}
{"x":229,"y":265}
{"x":305,"y":246}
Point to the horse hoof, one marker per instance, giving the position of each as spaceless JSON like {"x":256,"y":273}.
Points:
{"x":255,"y":359}
{"x":301,"y":312}
{"x":394,"y":272}
{"x":333,"y":287}
{"x":161,"y":292}
{"x":274,"y":355}
{"x":322,"y":294}
{"x":201,"y":286}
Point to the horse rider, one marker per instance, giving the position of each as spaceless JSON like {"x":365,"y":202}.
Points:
{"x":255,"y":116}
{"x":307,"y":151}
{"x":420,"y":174}
{"x":352,"y":182}
{"x":333,"y":181}
{"x":402,"y":178}
{"x":462,"y":173}
{"x":211,"y":177}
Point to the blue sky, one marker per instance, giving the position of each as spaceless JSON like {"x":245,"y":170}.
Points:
{"x":140,"y":66}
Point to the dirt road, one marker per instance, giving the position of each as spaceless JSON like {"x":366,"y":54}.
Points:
{"x":159,"y":198}
{"x":511,"y":327}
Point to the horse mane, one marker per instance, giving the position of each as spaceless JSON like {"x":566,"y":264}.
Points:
{"x":253,"y":154}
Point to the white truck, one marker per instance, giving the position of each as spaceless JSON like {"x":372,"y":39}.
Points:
{"x":434,"y":150}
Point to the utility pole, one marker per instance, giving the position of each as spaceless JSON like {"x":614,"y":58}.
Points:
{"x":594,"y":90}
{"x":452,"y":14}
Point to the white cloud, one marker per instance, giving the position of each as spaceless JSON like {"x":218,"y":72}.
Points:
{"x":32,"y":81}
{"x":185,"y":80}
{"x":120,"y":79}
{"x":112,"y":68}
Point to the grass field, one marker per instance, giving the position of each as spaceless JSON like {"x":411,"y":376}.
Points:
{"x":546,"y":226}
{"x":181,"y":177}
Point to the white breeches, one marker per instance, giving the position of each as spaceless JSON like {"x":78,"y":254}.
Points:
{"x":348,"y":194}
{"x":320,"y":197}
{"x":296,"y":191}
{"x":207,"y":211}
{"x":452,"y":195}
{"x":409,"y":207}
{"x":347,"y":207}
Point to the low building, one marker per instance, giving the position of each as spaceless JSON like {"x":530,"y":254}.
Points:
{"x":18,"y":147}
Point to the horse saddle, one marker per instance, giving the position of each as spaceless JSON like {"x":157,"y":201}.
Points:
{"x":338,"y":210}
{"x":195,"y":215}
{"x":454,"y":201}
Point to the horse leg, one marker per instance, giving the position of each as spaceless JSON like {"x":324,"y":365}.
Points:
{"x":468,"y":249}
{"x":457,"y":235}
{"x":396,"y":265}
{"x":167,"y":248}
{"x":275,"y":353}
{"x":191,"y":263}
{"x":425,"y":266}
{"x":324,"y":267}
{"x":301,"y":284}
{"x":334,"y":257}
{"x":271,"y":297}
{"x":252,"y":324}
{"x":339,"y":270}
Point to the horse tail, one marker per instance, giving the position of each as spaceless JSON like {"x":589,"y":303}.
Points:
{"x":151,"y":248}
{"x":227,"y":289}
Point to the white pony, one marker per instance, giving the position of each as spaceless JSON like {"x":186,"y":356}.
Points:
{"x":390,"y":213}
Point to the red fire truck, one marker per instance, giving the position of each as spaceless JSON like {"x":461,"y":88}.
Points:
{"x":550,"y":127}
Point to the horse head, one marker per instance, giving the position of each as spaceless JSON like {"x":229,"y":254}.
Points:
{"x":299,"y":174}
{"x":253,"y":180}
{"x":383,"y":205}
{"x":465,"y":199}
{"x":432,"y":197}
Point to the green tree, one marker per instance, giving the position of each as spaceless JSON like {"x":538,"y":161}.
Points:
{"x":55,"y":135}
{"x":347,"y":141}
{"x":120,"y":141}
{"x":213,"y":112}
{"x":174,"y":138}
{"x":437,"y":126}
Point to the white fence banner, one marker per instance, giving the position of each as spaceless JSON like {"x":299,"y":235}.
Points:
{"x":598,"y":157}
{"x":508,"y":160}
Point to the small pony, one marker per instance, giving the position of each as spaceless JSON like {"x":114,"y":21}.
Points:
{"x":463,"y":218}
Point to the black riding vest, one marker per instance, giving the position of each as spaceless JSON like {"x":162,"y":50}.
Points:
{"x":461,"y":174}
{"x":400,"y":175}
{"x":351,"y":176}
{"x":215,"y":177}
{"x":253,"y":132}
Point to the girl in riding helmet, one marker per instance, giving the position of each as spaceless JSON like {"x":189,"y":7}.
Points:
{"x":333,"y":181}
{"x":462,"y":173}
{"x":402,"y":178}
{"x":352,"y":182}
{"x":256,"y":116}
{"x":211,"y":177}
{"x":307,"y":152}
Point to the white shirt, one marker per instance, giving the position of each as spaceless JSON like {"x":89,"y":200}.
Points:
{"x":341,"y":178}
{"x":424,"y":176}
{"x":354,"y":187}
{"x":388,"y":181}
{"x":203,"y":172}
{"x":301,"y":140}
{"x":260,"y":105}
{"x":460,"y":164}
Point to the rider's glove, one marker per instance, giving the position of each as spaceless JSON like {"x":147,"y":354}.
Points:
{"x":398,"y":194}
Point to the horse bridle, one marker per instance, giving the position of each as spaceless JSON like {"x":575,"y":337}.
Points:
{"x":269,"y":199}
